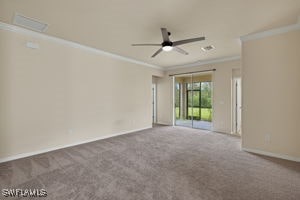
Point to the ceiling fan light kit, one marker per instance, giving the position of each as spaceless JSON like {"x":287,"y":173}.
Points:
{"x":167,"y":48}
{"x":167,"y":45}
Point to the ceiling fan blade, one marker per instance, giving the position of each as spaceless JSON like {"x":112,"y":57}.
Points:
{"x":146,"y":45}
{"x":180,"y":42}
{"x":165,"y":34}
{"x":180,"y":50}
{"x":157,"y":52}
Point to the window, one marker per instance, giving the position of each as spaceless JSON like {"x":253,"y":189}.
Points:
{"x":199,"y":104}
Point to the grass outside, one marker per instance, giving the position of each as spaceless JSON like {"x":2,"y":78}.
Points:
{"x":206,"y":113}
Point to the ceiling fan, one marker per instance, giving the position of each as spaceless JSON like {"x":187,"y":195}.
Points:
{"x":168,"y":45}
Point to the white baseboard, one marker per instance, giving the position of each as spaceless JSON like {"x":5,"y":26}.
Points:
{"x":23,"y":155}
{"x":286,"y":157}
{"x":164,"y":123}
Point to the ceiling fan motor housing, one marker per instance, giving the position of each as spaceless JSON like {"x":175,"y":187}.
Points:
{"x":167,"y":43}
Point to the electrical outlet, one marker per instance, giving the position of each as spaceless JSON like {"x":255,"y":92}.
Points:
{"x":32,"y":45}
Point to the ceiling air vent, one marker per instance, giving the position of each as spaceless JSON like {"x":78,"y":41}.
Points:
{"x":208,"y":48}
{"x":29,"y":23}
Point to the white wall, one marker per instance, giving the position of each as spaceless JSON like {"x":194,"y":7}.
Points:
{"x":59,"y":95}
{"x":271,"y":94}
{"x":221,"y":94}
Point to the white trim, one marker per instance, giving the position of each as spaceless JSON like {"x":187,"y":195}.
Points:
{"x":20,"y":30}
{"x":286,"y":157}
{"x":271,"y":32}
{"x":154,"y":103}
{"x":164,"y":123}
{"x":212,"y":100}
{"x":23,"y":155}
{"x":173,"y":102}
{"x":204,"y":62}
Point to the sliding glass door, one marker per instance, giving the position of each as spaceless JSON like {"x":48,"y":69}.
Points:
{"x":193,"y":101}
{"x":181,"y":101}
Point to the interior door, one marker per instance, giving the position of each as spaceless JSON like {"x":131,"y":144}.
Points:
{"x":238,"y":108}
{"x":154,"y":103}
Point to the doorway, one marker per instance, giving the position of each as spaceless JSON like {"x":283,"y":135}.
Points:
{"x":154,"y":118}
{"x":236,"y":102}
{"x":193,"y":101}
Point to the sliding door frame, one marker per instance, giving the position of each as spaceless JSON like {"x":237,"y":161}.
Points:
{"x":174,"y":93}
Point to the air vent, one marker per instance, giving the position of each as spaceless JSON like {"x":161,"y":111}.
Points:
{"x":208,"y":48}
{"x":29,"y":23}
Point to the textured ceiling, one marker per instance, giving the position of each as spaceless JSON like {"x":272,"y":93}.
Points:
{"x":113,"y":25}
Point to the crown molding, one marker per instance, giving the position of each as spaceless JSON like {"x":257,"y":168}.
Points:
{"x":203,"y":62}
{"x":271,"y":32}
{"x":16,"y":29}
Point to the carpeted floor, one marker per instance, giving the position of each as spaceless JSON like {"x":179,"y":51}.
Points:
{"x":162,"y":163}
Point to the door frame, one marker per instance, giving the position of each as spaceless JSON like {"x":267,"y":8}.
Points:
{"x":154,"y":103}
{"x":174,"y":93}
{"x":236,"y":126}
